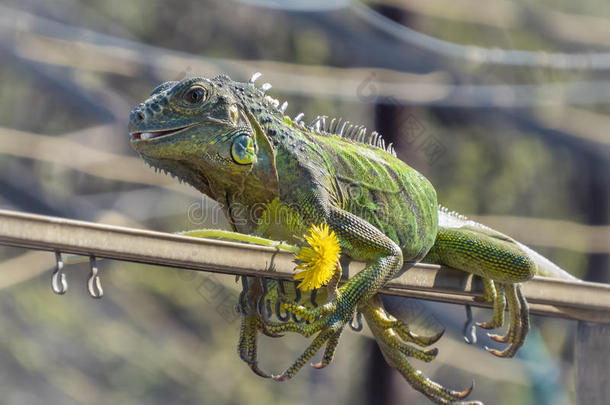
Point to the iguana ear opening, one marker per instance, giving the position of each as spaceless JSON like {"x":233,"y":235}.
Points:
{"x":265,"y":168}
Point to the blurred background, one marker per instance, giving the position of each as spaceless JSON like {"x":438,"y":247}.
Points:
{"x":503,"y":105}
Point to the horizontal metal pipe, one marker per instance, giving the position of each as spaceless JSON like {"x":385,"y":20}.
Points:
{"x":552,"y":297}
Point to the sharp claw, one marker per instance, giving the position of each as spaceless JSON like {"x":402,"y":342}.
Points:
{"x":281,"y":377}
{"x":484,"y":325}
{"x":465,"y":393}
{"x":258,"y":371}
{"x":495,"y":352}
{"x":318,"y":365}
{"x":498,"y":338}
{"x":509,"y":352}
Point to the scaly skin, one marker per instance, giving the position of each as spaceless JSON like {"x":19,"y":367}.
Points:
{"x":234,"y":144}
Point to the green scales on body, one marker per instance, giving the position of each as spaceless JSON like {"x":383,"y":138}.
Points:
{"x":275,"y":177}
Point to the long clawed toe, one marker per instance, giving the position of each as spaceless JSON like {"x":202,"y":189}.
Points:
{"x":424,"y":355}
{"x":329,"y":352}
{"x":519,"y":322}
{"x":392,"y":335}
{"x":330,"y":336}
{"x":247,"y":347}
{"x":408,"y":336}
{"x":308,"y":314}
{"x":503,"y":295}
{"x":494,"y":293}
{"x":435,"y":391}
{"x":386,"y":321}
{"x":431,"y":389}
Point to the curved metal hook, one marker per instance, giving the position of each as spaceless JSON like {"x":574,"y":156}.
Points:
{"x":94,"y":285}
{"x":59,"y":284}
{"x":469,"y":331}
{"x":357,"y":327}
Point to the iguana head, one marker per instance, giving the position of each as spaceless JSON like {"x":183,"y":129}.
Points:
{"x":204,"y":132}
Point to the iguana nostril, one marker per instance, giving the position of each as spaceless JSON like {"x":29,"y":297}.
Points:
{"x":140,"y":116}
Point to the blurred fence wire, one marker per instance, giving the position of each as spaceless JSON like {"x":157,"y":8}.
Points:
{"x":43,"y":41}
{"x":492,"y":56}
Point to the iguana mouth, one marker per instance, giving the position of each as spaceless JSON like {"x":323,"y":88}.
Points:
{"x":147,"y":135}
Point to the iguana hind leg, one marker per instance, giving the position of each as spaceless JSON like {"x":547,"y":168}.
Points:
{"x":502,"y":264}
{"x":396,"y":352}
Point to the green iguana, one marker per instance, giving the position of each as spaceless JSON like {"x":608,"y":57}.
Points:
{"x":275,"y":177}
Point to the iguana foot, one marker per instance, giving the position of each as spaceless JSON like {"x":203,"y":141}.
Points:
{"x":261,"y":305}
{"x":326,"y":320}
{"x":519,"y":322}
{"x":500,"y":294}
{"x":391,"y":337}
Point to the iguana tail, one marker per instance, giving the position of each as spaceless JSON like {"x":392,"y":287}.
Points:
{"x":544,"y":267}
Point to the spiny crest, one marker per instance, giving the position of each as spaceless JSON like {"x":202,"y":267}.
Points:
{"x":324,"y":126}
{"x":336,"y":126}
{"x":463,"y":219}
{"x":265,"y":87}
{"x":452,"y":213}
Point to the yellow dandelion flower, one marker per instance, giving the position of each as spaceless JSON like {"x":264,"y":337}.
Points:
{"x":319,"y":259}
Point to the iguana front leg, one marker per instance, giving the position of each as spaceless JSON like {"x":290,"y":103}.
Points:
{"x":360,"y":240}
{"x":260,"y":305}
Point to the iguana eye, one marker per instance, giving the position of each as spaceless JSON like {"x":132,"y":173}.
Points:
{"x":195,"y":95}
{"x":242,"y":150}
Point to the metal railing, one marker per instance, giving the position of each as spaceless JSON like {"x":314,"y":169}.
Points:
{"x":552,"y":297}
